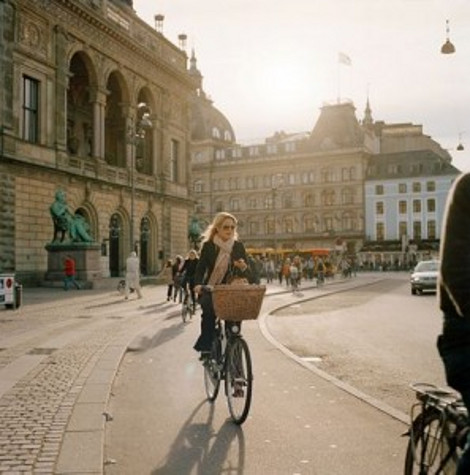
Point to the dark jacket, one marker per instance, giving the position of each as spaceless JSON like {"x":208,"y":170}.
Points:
{"x":454,"y":278}
{"x":189,"y":267}
{"x":209,"y":253}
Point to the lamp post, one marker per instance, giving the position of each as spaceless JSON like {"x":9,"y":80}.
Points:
{"x":136,"y":131}
{"x":276,"y":184}
{"x":447,"y":47}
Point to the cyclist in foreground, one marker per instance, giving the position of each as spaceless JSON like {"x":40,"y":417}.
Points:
{"x":454,"y":297}
{"x":223,"y":258}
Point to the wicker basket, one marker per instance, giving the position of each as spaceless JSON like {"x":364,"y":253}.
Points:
{"x":238,"y":301}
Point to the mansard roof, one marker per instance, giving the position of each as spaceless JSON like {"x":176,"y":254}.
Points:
{"x":337,"y":127}
{"x":416,"y":163}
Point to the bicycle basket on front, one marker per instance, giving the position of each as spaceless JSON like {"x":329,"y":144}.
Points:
{"x":238,"y":301}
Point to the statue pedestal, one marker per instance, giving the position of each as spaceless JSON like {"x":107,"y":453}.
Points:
{"x":87,"y":258}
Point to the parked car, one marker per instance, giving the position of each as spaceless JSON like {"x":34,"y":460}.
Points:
{"x":424,"y":277}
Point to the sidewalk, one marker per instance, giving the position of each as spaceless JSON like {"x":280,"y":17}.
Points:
{"x":56,"y":374}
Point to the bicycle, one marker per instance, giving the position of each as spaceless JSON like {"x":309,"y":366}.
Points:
{"x":188,"y":306}
{"x":438,"y":431}
{"x":230,"y":359}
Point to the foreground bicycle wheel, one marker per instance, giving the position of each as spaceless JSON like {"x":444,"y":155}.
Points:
{"x":238,"y":380}
{"x":430,"y":446}
{"x":212,"y":371}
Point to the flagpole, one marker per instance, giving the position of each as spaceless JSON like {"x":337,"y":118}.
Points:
{"x":338,"y":95}
{"x":346,"y":60}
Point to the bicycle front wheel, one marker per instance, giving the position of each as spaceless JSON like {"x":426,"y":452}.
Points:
{"x":431,"y":448}
{"x":238,"y":380}
{"x":213,"y":371}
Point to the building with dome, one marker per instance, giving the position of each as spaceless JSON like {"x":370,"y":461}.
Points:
{"x":94,"y":103}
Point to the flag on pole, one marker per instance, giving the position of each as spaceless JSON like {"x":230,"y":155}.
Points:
{"x":344,"y":59}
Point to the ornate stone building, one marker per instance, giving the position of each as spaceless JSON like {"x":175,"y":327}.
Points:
{"x":94,"y":102}
{"x":308,"y":190}
{"x":293,"y":191}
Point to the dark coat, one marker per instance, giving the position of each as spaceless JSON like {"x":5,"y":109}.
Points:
{"x":207,"y":259}
{"x":454,"y":279}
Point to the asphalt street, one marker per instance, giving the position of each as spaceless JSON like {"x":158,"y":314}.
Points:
{"x":59,"y":356}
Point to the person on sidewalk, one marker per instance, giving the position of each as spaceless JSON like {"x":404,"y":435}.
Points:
{"x":222,"y":256}
{"x":454,"y":297}
{"x":70,"y":272}
{"x":168,"y":276}
{"x":178,"y":278}
{"x":132,"y":275}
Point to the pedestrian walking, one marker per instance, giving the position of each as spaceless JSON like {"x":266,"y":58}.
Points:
{"x":70,"y":272}
{"x":178,"y":278}
{"x":132,"y":275}
{"x":168,"y":276}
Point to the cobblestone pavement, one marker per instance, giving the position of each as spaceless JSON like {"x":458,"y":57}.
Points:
{"x":50,"y":350}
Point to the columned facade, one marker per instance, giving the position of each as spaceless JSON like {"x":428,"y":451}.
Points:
{"x":73,"y":76}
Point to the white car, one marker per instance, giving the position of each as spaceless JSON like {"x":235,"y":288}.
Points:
{"x":424,"y":277}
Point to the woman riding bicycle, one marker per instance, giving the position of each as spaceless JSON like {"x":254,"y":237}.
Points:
{"x":222,"y":258}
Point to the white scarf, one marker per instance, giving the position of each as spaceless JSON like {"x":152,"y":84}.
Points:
{"x":223,"y":260}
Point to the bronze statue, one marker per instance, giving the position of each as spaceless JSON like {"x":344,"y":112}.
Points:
{"x":66,"y":222}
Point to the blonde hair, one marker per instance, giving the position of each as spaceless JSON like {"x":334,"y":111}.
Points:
{"x":219,"y":218}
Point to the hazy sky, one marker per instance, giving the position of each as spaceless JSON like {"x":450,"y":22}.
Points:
{"x":270,"y":65}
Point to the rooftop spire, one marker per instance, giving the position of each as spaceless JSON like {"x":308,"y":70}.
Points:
{"x":368,"y":120}
{"x":195,"y":73}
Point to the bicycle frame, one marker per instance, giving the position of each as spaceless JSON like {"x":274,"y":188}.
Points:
{"x":226,"y":337}
{"x":439,"y":424}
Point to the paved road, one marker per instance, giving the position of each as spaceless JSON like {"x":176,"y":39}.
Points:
{"x":378,"y":338}
{"x":59,"y":356}
{"x":302,"y":421}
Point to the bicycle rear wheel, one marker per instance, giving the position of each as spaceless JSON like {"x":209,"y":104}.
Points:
{"x":238,"y":380}
{"x":431,"y":448}
{"x":184,"y":312}
{"x":213,"y":371}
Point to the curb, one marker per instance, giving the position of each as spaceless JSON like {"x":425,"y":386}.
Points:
{"x":83,"y":444}
{"x":381,"y":406}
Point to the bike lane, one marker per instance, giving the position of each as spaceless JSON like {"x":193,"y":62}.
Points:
{"x":301,"y":421}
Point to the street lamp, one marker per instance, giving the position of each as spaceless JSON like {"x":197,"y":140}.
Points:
{"x":460,"y":146}
{"x":277,"y":181}
{"x":135,"y":133}
{"x":447,"y":47}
